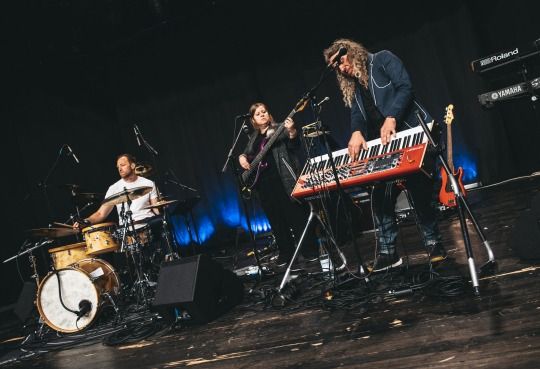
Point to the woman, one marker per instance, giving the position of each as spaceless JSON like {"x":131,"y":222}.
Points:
{"x":276,"y":179}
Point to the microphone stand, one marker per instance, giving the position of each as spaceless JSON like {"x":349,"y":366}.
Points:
{"x":342,"y":196}
{"x":307,"y":97}
{"x":43,"y":185}
{"x":463,"y":206}
{"x":171,"y":253}
{"x":231,"y":162}
{"x":235,"y":142}
{"x":189,"y":209}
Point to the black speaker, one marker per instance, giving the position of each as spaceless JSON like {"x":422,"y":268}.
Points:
{"x":525,"y":237}
{"x":198,"y":285}
{"x":25,"y":304}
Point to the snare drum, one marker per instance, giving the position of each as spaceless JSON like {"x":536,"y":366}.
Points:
{"x":100,"y":239}
{"x":90,"y":280}
{"x":66,"y":255}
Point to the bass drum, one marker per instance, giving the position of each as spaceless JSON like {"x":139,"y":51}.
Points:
{"x":87,"y":280}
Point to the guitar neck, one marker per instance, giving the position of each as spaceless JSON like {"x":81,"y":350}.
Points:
{"x":267,"y":146}
{"x":449,"y":154}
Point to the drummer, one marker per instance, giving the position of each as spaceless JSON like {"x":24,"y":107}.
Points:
{"x":125,"y":163}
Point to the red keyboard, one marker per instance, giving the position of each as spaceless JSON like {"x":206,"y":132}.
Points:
{"x":402,"y":156}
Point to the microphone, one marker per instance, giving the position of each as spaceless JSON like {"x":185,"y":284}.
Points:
{"x":322,"y":102}
{"x":84,"y":308}
{"x":243,"y":116}
{"x":245,"y":129}
{"x":337,"y":60}
{"x":137,"y":134}
{"x":71,"y":153}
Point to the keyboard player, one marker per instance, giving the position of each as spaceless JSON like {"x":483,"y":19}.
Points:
{"x":377,"y":89}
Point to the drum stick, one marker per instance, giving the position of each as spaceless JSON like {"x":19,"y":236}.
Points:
{"x":62,"y":225}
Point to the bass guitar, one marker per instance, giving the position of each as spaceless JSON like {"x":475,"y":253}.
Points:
{"x":446,"y":195}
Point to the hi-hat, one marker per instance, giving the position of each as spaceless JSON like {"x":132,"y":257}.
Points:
{"x":128,"y":194}
{"x":51,"y":232}
{"x":160,"y":204}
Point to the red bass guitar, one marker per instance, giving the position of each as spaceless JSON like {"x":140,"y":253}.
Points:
{"x":446,"y":195}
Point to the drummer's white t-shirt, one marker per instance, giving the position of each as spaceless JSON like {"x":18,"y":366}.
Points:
{"x":137,"y":204}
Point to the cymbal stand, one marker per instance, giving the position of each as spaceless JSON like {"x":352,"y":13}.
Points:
{"x":140,"y":284}
{"x":166,"y":233}
{"x":171,"y":254}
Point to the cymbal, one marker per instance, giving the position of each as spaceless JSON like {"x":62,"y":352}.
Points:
{"x":51,"y":232}
{"x":127,"y":194}
{"x":160,"y":204}
{"x":144,"y":170}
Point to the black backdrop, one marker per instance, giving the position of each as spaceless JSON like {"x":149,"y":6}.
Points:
{"x":83,"y":72}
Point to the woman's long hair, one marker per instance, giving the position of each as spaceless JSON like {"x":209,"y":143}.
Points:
{"x":357,"y":55}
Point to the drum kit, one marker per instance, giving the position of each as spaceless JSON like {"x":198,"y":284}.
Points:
{"x":81,"y":283}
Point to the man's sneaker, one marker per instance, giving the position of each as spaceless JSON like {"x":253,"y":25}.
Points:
{"x":437,"y":253}
{"x":385,"y":262}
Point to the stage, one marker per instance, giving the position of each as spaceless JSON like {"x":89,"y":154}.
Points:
{"x":442,"y":325}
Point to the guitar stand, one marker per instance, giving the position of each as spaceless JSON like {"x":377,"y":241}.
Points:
{"x":463,"y":206}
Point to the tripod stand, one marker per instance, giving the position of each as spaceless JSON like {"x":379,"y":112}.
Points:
{"x":313,"y":215}
{"x":316,"y":108}
{"x":462,"y":207}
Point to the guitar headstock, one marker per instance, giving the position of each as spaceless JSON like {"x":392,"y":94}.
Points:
{"x":449,"y":116}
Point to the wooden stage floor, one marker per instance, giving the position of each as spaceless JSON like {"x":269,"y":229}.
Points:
{"x":423,"y":329}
